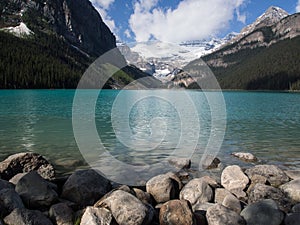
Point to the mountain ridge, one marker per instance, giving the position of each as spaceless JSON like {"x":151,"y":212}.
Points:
{"x":266,"y":57}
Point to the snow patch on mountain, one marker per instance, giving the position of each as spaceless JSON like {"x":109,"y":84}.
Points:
{"x":19,"y":31}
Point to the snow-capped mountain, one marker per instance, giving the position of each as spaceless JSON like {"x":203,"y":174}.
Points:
{"x":162,"y":59}
{"x":271,"y":16}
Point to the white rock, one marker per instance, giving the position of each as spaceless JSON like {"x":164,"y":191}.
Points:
{"x":234,"y":180}
{"x":248,"y":157}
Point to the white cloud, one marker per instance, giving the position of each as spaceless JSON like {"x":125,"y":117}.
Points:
{"x":192,"y":19}
{"x":241,"y":17}
{"x":127,"y":33}
{"x":298,"y":6}
{"x":102,"y":6}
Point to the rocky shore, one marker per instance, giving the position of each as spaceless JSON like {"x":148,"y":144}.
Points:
{"x":30,"y":193}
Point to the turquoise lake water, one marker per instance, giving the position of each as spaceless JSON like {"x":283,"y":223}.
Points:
{"x":263,"y":123}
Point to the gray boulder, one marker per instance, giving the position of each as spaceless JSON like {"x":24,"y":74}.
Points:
{"x":261,"y":191}
{"x":36,"y":192}
{"x":85,"y":187}
{"x":211,"y":181}
{"x":262,"y":213}
{"x":220,"y":215}
{"x":274,"y":174}
{"x":61,"y":214}
{"x":293,"y":174}
{"x":26,"y":162}
{"x":163,"y":187}
{"x":97,"y":216}
{"x":144,"y":197}
{"x":9,"y":200}
{"x":232,"y":203}
{"x":296,"y":208}
{"x":234,"y":180}
{"x":177,"y":212}
{"x":220,"y":194}
{"x":292,"y":219}
{"x":197,"y":191}
{"x":126,"y":208}
{"x":292,"y":189}
{"x":6,"y":185}
{"x":256,"y":179}
{"x":203,"y":207}
{"x":26,"y":217}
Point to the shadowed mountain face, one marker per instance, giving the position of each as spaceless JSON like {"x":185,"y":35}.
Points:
{"x":75,"y":20}
{"x":265,"y":55}
{"x":51,"y":43}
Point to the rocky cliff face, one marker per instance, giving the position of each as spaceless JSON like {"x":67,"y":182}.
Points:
{"x":76,"y":21}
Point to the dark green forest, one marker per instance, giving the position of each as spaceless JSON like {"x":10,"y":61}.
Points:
{"x":39,"y":61}
{"x":47,"y":61}
{"x":265,"y":68}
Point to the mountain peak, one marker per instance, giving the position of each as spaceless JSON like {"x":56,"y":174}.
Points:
{"x":271,"y":16}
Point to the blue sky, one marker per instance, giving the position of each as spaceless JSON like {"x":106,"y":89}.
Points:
{"x":181,"y":20}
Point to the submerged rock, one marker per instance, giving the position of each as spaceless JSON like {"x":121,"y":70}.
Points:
{"x":177,"y":212}
{"x":247,"y":157}
{"x":262,"y":213}
{"x":274,"y":174}
{"x":36,"y":192}
{"x":220,"y":215}
{"x":26,"y":217}
{"x":26,"y":162}
{"x":85,"y":187}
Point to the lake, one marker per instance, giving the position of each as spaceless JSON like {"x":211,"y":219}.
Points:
{"x":266,"y":124}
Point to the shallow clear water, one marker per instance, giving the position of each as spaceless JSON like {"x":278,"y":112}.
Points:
{"x":263,"y":123}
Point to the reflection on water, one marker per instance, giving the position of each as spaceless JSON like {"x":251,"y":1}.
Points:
{"x":266,"y":124}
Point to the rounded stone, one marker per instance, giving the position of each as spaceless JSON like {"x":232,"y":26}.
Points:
{"x":196,"y":191}
{"x":263,"y":212}
{"x":220,"y":215}
{"x":126,"y":208}
{"x":234,"y":180}
{"x":274,"y":174}
{"x":163,"y":188}
{"x":36,"y":192}
{"x":292,"y":189}
{"x":176,"y":212}
{"x":85,"y":187}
